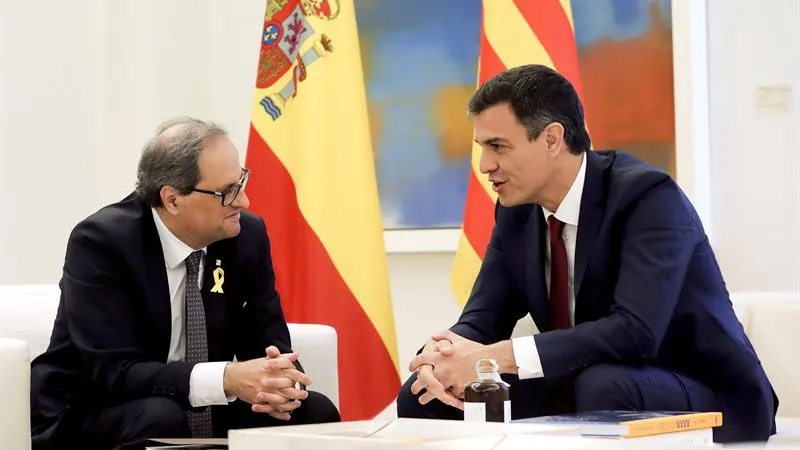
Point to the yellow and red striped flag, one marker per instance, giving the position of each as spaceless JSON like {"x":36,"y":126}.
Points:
{"x":314,"y":184}
{"x":513,"y":33}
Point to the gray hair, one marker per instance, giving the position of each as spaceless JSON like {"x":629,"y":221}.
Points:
{"x":171,"y":159}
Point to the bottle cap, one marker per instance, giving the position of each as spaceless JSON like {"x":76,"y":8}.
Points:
{"x":488,"y":369}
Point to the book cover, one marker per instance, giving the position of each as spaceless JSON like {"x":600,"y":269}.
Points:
{"x":632,"y":423}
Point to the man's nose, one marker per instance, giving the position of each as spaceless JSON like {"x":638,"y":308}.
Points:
{"x":242,"y":201}
{"x":487,"y":162}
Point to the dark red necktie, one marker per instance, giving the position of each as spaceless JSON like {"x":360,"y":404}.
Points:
{"x":559,"y":276}
{"x":560,"y":396}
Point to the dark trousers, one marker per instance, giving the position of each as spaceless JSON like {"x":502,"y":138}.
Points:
{"x":600,"y":387}
{"x":129,"y":425}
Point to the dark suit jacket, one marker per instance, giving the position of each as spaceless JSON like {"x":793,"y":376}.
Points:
{"x":648,"y":291}
{"x":111,"y":335}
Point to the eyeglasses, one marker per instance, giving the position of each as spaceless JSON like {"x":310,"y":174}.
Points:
{"x":228,"y":196}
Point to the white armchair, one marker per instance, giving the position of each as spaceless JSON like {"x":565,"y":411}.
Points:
{"x":27,"y":313}
{"x":317,"y":345}
{"x":771,"y":320}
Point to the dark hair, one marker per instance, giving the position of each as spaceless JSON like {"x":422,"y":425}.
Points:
{"x":538,"y":95}
{"x":173,"y":160}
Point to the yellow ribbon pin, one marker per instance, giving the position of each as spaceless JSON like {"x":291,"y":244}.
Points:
{"x":219,"y":278}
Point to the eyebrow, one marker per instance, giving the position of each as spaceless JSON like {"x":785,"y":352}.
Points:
{"x":227,"y":186}
{"x":231,"y":184}
{"x":493,"y":140}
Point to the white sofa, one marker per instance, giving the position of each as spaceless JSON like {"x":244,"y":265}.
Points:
{"x":27,"y":313}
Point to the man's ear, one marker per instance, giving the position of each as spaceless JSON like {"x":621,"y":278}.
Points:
{"x":171,"y":199}
{"x":553,"y":135}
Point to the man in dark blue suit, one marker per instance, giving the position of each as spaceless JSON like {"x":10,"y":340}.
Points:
{"x":611,"y":261}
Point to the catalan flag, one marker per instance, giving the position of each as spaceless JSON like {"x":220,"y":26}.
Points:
{"x":314,"y":184}
{"x":513,"y":33}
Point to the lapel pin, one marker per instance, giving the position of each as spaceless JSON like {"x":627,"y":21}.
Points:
{"x":219,"y":278}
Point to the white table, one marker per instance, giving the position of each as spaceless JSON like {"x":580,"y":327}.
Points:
{"x":426,"y":434}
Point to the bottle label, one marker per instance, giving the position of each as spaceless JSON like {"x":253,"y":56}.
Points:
{"x":474,"y":412}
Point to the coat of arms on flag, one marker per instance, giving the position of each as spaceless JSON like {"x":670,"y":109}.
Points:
{"x":286,"y":31}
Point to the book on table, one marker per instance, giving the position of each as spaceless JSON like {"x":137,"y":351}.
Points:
{"x":631,"y":424}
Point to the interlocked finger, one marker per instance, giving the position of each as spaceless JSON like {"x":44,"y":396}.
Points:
{"x":272,"y":411}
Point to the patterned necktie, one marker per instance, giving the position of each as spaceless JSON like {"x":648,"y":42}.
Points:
{"x":196,"y":339}
{"x":559,"y":276}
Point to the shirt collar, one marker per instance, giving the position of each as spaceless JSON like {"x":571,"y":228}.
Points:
{"x":570,"y":208}
{"x":175,"y":250}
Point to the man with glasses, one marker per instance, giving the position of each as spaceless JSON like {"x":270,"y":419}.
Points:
{"x":169,"y":324}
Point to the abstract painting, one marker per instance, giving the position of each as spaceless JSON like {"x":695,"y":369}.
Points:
{"x":420,"y":67}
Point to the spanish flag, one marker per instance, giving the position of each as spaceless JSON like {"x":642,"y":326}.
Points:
{"x":313,"y":182}
{"x":513,"y":33}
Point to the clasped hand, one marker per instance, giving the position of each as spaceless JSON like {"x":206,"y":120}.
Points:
{"x":444,"y":367}
{"x":268,"y":384}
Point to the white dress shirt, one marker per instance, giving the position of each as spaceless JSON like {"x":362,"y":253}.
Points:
{"x":206,"y":380}
{"x":525,"y":353}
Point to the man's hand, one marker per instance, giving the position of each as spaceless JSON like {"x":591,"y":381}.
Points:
{"x":279,"y":393}
{"x":268,"y":383}
{"x":426,"y":379}
{"x":433,"y":388}
{"x":278,"y":396}
{"x":243,"y":379}
{"x":452,"y":365}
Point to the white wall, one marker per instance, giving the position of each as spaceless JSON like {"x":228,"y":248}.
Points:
{"x":83,"y":84}
{"x":755,"y":151}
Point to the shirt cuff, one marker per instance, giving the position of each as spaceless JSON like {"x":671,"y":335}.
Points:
{"x":206,"y":385}
{"x":526,"y":357}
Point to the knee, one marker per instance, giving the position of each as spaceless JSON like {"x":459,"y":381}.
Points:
{"x":321,"y":408}
{"x":604,"y":387}
{"x":407,"y":403}
{"x":162,"y":417}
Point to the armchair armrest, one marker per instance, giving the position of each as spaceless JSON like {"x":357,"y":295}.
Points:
{"x":318,"y":348}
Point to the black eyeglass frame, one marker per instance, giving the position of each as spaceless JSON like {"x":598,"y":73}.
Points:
{"x":238,"y":187}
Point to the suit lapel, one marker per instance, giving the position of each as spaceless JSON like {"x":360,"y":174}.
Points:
{"x":590,"y":217}
{"x":156,"y":281}
{"x":534,"y":268}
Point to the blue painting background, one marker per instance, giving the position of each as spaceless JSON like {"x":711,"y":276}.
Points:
{"x":420,"y":60}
